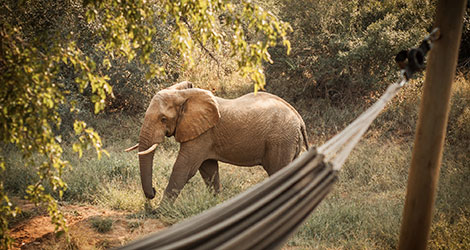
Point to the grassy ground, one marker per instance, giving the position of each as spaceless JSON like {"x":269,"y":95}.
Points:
{"x":363,"y":211}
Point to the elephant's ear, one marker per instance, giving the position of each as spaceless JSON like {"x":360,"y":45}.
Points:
{"x":181,"y":86}
{"x":199,"y":113}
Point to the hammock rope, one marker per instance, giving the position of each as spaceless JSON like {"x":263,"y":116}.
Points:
{"x":338,"y":148}
{"x":264,"y":216}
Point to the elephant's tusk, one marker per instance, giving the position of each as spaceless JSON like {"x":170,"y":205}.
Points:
{"x":132,"y":148}
{"x":152,"y":148}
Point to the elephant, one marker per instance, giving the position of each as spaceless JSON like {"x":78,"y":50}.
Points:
{"x":254,"y":129}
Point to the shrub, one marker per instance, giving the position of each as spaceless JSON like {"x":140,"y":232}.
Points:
{"x":101,"y":225}
{"x":343,"y":50}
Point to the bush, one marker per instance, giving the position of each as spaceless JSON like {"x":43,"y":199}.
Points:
{"x":101,"y":225}
{"x":344,"y":50}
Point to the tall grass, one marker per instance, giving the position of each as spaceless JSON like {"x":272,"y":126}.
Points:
{"x":364,"y":210}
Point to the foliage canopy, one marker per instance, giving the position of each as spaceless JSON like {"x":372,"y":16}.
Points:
{"x":44,"y":62}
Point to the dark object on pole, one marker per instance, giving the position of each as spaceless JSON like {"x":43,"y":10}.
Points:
{"x":416,"y":59}
{"x":401,"y":58}
{"x":413,"y":60}
{"x":431,"y":128}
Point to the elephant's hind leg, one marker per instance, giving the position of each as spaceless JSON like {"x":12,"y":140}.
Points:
{"x":277,"y":157}
{"x":210,"y":174}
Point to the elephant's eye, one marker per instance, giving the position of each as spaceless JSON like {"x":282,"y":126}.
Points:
{"x":163,"y":119}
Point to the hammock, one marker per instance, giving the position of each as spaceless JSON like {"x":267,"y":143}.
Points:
{"x":268,"y":213}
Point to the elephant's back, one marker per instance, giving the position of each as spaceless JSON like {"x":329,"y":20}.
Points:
{"x":269,"y":105}
{"x":259,"y":116}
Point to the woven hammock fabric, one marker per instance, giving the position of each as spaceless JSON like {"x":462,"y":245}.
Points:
{"x":261,"y":218}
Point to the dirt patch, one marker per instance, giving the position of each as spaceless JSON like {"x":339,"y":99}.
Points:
{"x":35,"y":231}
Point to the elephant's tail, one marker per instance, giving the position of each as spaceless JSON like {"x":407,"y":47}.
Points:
{"x":304,"y":135}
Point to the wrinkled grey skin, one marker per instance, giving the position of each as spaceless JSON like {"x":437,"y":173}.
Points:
{"x":251,"y":130}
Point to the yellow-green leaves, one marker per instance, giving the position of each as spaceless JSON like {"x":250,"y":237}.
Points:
{"x":31,"y":93}
{"x":211,"y":22}
{"x":87,"y":138}
{"x":7,"y":210}
{"x":42,"y":66}
{"x":127,"y":28}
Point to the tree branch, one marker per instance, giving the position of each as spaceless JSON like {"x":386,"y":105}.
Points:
{"x":202,"y":45}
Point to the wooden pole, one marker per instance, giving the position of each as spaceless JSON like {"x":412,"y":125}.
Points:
{"x":431,"y":128}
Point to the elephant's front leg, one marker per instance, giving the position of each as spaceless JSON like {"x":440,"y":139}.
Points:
{"x":210,"y":174}
{"x":184,"y":169}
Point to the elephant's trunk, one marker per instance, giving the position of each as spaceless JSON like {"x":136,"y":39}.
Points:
{"x":145,"y":163}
